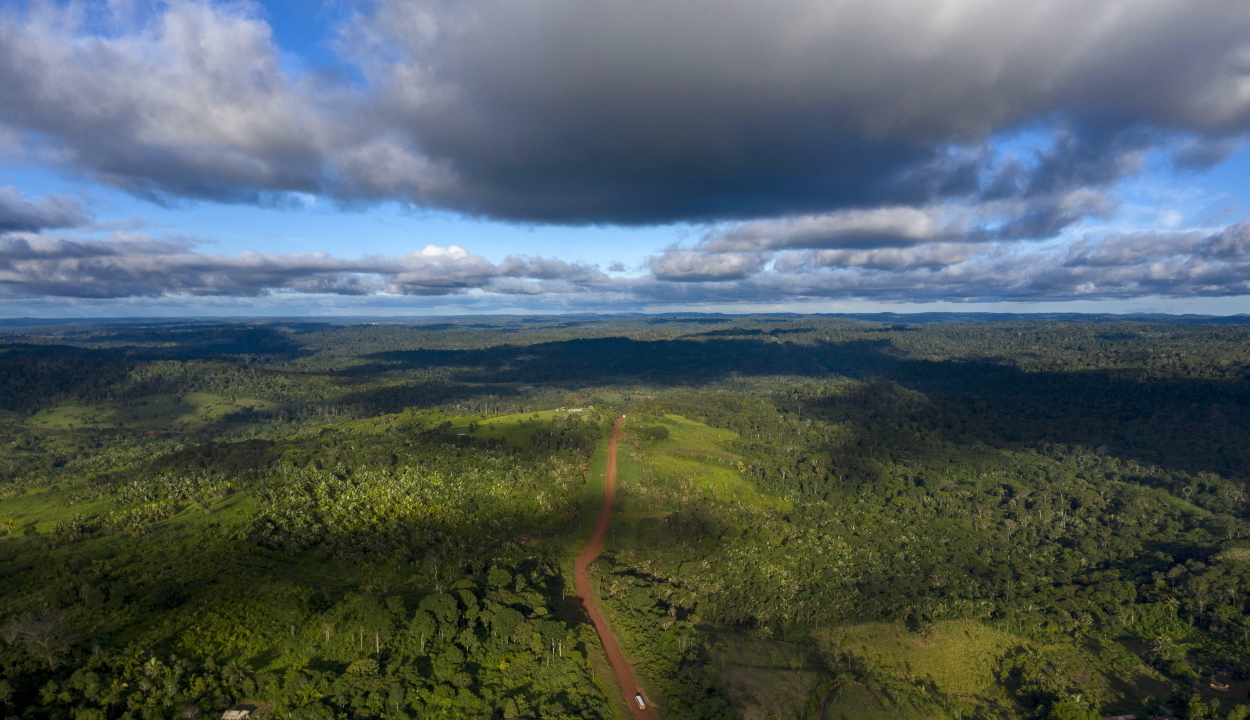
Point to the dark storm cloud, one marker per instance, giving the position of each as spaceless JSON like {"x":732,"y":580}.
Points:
{"x":893,"y":150}
{"x":568,"y":110}
{"x":649,"y":111}
{"x":17,"y":214}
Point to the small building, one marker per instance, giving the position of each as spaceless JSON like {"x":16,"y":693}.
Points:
{"x":239,"y":712}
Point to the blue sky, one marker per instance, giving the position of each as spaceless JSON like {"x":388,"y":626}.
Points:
{"x":200,"y":158}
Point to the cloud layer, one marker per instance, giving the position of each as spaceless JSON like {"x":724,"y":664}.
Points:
{"x":650,"y":111}
{"x":888,"y":150}
{"x":18,"y":214}
{"x":1179,"y":264}
{"x":130,"y":265}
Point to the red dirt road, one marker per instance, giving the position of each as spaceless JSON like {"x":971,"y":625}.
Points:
{"x":581,"y":577}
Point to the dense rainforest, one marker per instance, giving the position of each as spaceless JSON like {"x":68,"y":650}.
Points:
{"x":877,"y":516}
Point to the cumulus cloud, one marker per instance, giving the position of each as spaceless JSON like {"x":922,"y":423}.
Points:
{"x":549,"y":269}
{"x":927,"y":256}
{"x":894,"y":150}
{"x":1182,"y":264}
{"x":696,"y":266}
{"x":904,"y":226}
{"x":129,"y":265}
{"x":1176,"y":264}
{"x":193,"y":103}
{"x":578,"y":111}
{"x":53,"y":211}
{"x":890,"y":226}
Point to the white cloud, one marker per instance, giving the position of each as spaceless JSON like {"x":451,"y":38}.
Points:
{"x":697,"y":266}
{"x":1174,"y":265}
{"x":136,"y":265}
{"x":929,"y":256}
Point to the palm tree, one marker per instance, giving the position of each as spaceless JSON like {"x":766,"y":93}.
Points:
{"x":236,"y":673}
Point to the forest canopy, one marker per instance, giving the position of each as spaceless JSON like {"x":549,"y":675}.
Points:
{"x":817,"y":516}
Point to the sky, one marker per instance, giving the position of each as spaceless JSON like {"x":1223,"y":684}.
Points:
{"x":431,"y":157}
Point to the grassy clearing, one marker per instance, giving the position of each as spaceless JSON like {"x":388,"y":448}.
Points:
{"x":768,"y":679}
{"x":630,"y":477}
{"x":693,"y":461}
{"x":855,"y":701}
{"x":960,"y":661}
{"x":516,"y":429}
{"x":592,"y":500}
{"x":764,"y":693}
{"x":39,"y":511}
{"x":184,"y":413}
{"x":231,"y":510}
{"x":960,"y":657}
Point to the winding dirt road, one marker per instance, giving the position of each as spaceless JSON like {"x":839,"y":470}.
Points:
{"x":581,"y":577}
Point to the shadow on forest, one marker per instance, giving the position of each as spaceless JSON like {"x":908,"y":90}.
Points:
{"x":1106,"y":411}
{"x":189,"y":341}
{"x":397,"y":398}
{"x":990,"y":401}
{"x":197,"y":341}
{"x":618,"y":359}
{"x":1113,"y":411}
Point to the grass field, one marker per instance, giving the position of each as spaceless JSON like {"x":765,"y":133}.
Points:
{"x":959,"y":657}
{"x":515,"y":429}
{"x":856,"y":701}
{"x":960,"y":662}
{"x":768,"y":679}
{"x":957,"y":660}
{"x":39,"y":511}
{"x":184,"y":413}
{"x":694,"y":460}
{"x":766,"y":693}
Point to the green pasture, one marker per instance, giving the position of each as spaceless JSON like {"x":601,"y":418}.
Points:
{"x":962,"y":661}
{"x":39,"y":511}
{"x":693,"y":456}
{"x":189,"y":412}
{"x":960,"y":657}
{"x":766,"y":678}
{"x":764,"y":693}
{"x":592,"y":500}
{"x":856,"y":701}
{"x":516,"y":429}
